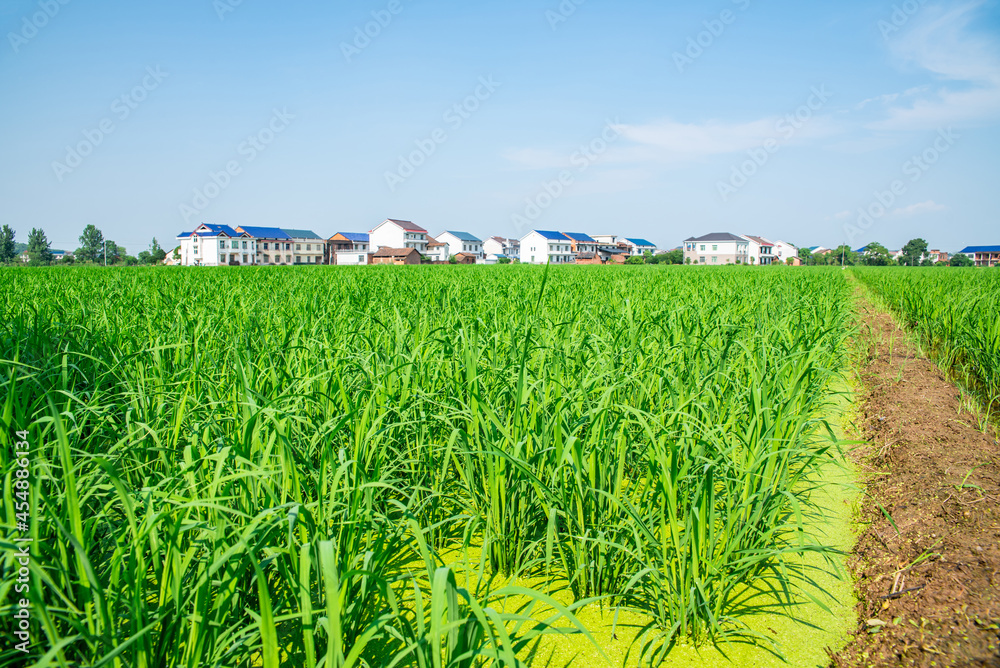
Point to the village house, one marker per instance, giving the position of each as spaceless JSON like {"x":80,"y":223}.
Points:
{"x":785,"y":252}
{"x":217,"y":245}
{"x":582,"y":244}
{"x":307,"y":247}
{"x":761,"y":251}
{"x":716,"y":249}
{"x":348,"y":248}
{"x":274,"y":246}
{"x":542,"y":247}
{"x":637,"y":246}
{"x":500,"y":247}
{"x":983,"y":256}
{"x":462,"y":242}
{"x":399,"y":234}
{"x":396,"y":256}
{"x":437,"y":251}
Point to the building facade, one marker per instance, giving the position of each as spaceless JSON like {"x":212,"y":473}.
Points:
{"x":718,"y":248}
{"x":542,"y":247}
{"x":216,"y":246}
{"x":983,"y":256}
{"x":392,"y":233}
{"x":462,"y":242}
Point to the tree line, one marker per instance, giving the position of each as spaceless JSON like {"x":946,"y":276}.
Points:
{"x":914,"y":254}
{"x":94,"y":249}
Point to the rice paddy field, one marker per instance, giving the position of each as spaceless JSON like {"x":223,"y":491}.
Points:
{"x":427,"y":466}
{"x":955,"y":314}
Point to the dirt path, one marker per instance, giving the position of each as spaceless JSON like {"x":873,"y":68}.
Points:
{"x":937,"y":476}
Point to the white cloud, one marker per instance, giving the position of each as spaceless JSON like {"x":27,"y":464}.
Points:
{"x":922,"y":207}
{"x":941,"y":42}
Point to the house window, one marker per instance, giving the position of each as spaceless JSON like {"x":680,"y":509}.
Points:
{"x":244,"y":245}
{"x":298,"y":247}
{"x":703,"y":247}
{"x":222,"y":243}
{"x":701,"y":259}
{"x":361,"y":259}
{"x":265,"y":245}
{"x":288,"y":259}
{"x":715,"y":260}
{"x":308,"y":247}
{"x":319,"y":260}
{"x":715,"y":248}
{"x":267,"y":259}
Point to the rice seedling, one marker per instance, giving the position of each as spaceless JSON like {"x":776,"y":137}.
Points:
{"x":276,"y":467}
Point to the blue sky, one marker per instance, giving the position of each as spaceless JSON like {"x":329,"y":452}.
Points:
{"x":813,"y":123}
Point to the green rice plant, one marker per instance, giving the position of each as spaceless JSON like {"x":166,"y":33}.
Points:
{"x":277,"y":467}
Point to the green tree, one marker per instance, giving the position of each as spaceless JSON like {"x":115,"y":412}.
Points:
{"x":39,"y":253}
{"x":675,"y":256}
{"x":145,"y":258}
{"x":806,"y":256}
{"x":647,"y":257}
{"x":913,"y":253}
{"x":156,"y":254}
{"x":114,"y":252}
{"x":91,"y":245}
{"x":8,"y":248}
{"x":876,"y":255}
{"x":842,"y":255}
{"x":636,"y":259}
{"x":961,"y":260}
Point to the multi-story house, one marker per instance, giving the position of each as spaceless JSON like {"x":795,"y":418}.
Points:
{"x":307,"y":247}
{"x":637,"y":246}
{"x":399,"y":234}
{"x":271,"y":243}
{"x":500,"y":247}
{"x":716,"y":249}
{"x":761,"y":250}
{"x":217,"y":245}
{"x":983,"y":256}
{"x":437,"y":251}
{"x":582,"y":244}
{"x":783,"y":252}
{"x":462,"y":242}
{"x":607,"y":239}
{"x":542,"y":247}
{"x":348,"y":248}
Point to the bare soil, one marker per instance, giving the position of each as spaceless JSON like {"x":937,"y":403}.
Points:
{"x":928,"y":579}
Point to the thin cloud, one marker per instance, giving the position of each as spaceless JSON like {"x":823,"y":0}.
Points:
{"x":922,"y":207}
{"x":942,"y":43}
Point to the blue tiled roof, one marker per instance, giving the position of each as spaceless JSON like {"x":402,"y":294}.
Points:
{"x":184,"y":235}
{"x":265,"y":232}
{"x":302,"y":234}
{"x":576,"y":236}
{"x":464,"y":236}
{"x":356,"y":237}
{"x":221,"y":229}
{"x":642,"y":242}
{"x":981,"y":249}
{"x":551,"y":236}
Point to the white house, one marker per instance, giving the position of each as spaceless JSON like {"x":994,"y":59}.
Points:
{"x":607,"y":239}
{"x":399,"y":234}
{"x":639,"y":246}
{"x":437,"y":251}
{"x":784,"y":251}
{"x":462,"y":242}
{"x":761,"y":251}
{"x":541,"y":247}
{"x":716,"y":249}
{"x":500,"y":247}
{"x":217,"y":245}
